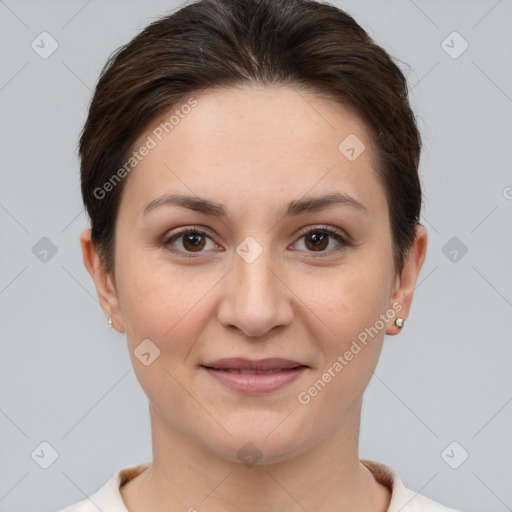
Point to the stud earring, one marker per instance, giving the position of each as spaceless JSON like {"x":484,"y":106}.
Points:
{"x":399,"y":322}
{"x":110,"y":322}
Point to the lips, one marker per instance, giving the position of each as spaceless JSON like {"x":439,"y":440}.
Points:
{"x":248,"y":366}
{"x":254,"y":376}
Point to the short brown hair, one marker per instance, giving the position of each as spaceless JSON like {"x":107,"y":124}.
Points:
{"x":223,"y":43}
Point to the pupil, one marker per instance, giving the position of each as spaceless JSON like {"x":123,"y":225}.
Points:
{"x":318,"y":240}
{"x":194,"y":241}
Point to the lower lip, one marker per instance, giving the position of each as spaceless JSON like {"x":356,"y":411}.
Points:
{"x":256,"y":382}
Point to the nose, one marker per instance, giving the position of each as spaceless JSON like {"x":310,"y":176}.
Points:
{"x":255,"y":298}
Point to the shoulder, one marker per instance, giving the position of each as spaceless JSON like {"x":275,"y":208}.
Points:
{"x":108,"y":498}
{"x":402,"y":498}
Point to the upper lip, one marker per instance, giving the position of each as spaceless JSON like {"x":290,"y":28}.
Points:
{"x":252,"y":364}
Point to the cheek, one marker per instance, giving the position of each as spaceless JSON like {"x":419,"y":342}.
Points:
{"x":162,"y":302}
{"x":167,"y":309}
{"x":346,"y":300}
{"x":349,"y":335}
{"x":347,"y":328}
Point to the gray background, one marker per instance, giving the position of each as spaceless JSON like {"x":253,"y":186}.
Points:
{"x":66,"y":378}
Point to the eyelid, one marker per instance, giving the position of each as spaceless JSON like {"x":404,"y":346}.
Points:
{"x":186,"y":229}
{"x":323,"y":227}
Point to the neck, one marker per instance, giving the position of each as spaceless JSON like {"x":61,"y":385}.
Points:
{"x":186,"y":476}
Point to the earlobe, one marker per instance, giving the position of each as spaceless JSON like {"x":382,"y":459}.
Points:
{"x":107,"y":294}
{"x":405,"y":283}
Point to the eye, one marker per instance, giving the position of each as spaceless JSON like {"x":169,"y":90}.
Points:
{"x":192,"y":240}
{"x":317,"y":239}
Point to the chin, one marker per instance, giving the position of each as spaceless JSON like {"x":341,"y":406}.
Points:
{"x":260,"y":438}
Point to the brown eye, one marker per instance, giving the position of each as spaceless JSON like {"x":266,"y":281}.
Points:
{"x":188,"y":242}
{"x":317,"y":241}
{"x":193,"y":241}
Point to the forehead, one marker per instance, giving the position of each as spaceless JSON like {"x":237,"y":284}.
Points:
{"x":263,"y":141}
{"x":249,"y":115}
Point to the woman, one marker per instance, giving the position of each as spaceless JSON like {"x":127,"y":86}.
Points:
{"x":250,"y":169}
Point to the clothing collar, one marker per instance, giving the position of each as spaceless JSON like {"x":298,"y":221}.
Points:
{"x":109,"y":497}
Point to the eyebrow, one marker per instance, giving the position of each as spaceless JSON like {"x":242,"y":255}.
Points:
{"x":294,"y":208}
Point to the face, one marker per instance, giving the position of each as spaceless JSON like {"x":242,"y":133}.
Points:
{"x":281,"y":249}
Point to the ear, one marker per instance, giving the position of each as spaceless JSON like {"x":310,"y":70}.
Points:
{"x":406,"y":281}
{"x":105,"y":287}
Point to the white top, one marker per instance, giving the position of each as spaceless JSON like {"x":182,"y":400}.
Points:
{"x":109,"y":499}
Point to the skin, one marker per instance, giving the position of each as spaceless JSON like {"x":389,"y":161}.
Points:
{"x":253,"y":150}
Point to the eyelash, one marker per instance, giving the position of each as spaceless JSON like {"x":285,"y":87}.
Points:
{"x":344,"y":242}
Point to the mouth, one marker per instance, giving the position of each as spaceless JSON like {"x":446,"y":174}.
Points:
{"x":254,"y":376}
{"x":251,"y":372}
